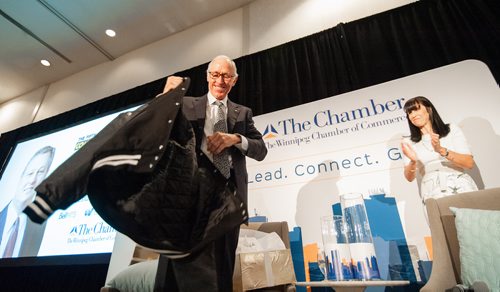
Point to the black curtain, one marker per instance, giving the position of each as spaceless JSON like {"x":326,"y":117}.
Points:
{"x":410,"y":39}
{"x":394,"y":44}
{"x":424,"y":36}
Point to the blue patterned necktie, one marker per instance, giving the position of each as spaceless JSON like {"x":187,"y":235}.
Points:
{"x":221,"y":160}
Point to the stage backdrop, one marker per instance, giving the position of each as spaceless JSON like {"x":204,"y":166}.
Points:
{"x":351,"y":143}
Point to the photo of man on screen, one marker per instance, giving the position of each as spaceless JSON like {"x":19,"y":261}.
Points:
{"x":19,"y":236}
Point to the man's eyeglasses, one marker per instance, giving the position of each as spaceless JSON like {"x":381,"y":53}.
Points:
{"x":216,"y":75}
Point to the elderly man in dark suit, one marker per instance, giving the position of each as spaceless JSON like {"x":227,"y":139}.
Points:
{"x":225,"y":135}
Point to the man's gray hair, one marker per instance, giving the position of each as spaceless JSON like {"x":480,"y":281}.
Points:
{"x":44,"y":150}
{"x":228,"y":60}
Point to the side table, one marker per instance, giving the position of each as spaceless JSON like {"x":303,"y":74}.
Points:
{"x":352,"y":286}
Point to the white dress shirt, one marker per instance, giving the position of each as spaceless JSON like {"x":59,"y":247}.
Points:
{"x":210,"y":120}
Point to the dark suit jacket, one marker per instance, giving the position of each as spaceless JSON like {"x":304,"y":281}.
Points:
{"x":239,"y":121}
{"x":33,"y":234}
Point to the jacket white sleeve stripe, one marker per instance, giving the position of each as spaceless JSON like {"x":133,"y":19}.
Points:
{"x":117,"y":160}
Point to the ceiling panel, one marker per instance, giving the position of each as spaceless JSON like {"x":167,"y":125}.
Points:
{"x":20,"y":67}
{"x":71,"y":34}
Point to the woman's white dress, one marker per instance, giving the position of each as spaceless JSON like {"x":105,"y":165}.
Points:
{"x":440,"y":177}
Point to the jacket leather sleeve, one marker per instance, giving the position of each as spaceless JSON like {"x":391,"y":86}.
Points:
{"x":126,"y":141}
{"x":67,"y":184}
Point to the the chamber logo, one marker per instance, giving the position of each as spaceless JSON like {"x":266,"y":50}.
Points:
{"x":270,"y":132}
{"x":328,"y":123}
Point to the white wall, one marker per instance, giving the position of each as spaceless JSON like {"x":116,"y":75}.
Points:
{"x":22,"y":110}
{"x":258,"y":26}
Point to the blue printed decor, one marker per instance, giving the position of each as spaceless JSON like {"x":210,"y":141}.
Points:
{"x":336,"y":249}
{"x":363,"y":258}
{"x":393,"y":259}
{"x":338,"y":268}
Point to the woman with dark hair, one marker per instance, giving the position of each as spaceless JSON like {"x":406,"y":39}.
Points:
{"x":436,"y":151}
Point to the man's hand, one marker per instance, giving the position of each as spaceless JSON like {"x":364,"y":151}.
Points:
{"x":220,"y":141}
{"x":172,"y":82}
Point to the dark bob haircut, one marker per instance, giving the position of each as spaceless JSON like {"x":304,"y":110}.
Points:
{"x":438,"y":126}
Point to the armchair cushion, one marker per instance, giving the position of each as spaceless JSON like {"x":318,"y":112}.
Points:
{"x":136,"y":277}
{"x":478,"y":233}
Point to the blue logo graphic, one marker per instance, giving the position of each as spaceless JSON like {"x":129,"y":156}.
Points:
{"x":270,"y":132}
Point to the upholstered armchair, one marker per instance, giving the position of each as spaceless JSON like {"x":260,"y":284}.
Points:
{"x":446,"y":268}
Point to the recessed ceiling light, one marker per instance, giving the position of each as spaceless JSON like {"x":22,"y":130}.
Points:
{"x":45,"y":63}
{"x":110,"y":32}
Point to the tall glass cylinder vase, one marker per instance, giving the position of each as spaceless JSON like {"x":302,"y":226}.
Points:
{"x":336,"y":249}
{"x":363,"y":257}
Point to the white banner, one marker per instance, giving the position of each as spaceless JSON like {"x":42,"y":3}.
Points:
{"x":350,"y":143}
